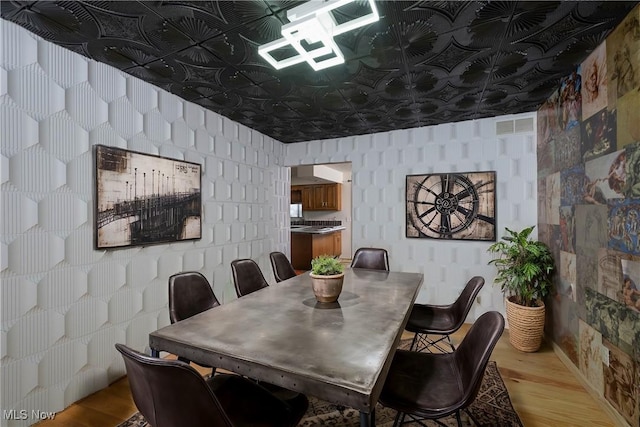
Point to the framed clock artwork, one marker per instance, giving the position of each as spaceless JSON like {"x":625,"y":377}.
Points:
{"x":454,"y":206}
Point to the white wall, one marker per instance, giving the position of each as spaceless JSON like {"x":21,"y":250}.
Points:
{"x":64,"y":304}
{"x":380,"y":163}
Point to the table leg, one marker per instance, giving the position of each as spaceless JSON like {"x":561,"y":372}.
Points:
{"x":368,"y":419}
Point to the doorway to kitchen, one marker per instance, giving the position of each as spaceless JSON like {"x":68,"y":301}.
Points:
{"x":321,"y":206}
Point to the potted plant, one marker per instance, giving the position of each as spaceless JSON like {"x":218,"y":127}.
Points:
{"x":525,"y":268}
{"x":327,"y":275}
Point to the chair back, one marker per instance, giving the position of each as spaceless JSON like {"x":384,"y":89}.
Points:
{"x":474,"y":351}
{"x":461,"y":307}
{"x":371,"y":258}
{"x":282,"y":268}
{"x":189,"y":294}
{"x":247,"y":276}
{"x":170,"y":393}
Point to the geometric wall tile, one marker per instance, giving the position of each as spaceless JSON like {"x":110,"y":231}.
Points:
{"x":19,"y":131}
{"x":19,"y":213}
{"x":65,"y":67}
{"x":170,"y":106}
{"x":29,"y":335}
{"x":78,"y":247}
{"x":124,"y":119}
{"x":203,"y":141}
{"x":62,"y":212}
{"x":181,"y":135}
{"x":4,"y":169}
{"x":143,"y":97}
{"x":138,"y":331}
{"x":62,"y":287}
{"x":108,"y":82}
{"x":142,"y":271}
{"x":4,"y":256}
{"x":61,"y":362}
{"x":35,"y":252}
{"x":155,"y":126}
{"x":13,"y":36}
{"x":36,"y":171}
{"x":3,"y":344}
{"x":106,"y":278}
{"x":44,"y":96}
{"x":124,"y":305}
{"x":194,"y":115}
{"x":85,"y":316}
{"x":169,"y":263}
{"x":62,"y":137}
{"x":19,"y":295}
{"x":84,"y":383}
{"x":193,"y":261}
{"x":155,"y":296}
{"x":3,"y":81}
{"x":86,"y":108}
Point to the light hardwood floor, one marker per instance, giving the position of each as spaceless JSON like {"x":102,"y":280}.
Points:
{"x":543,"y":392}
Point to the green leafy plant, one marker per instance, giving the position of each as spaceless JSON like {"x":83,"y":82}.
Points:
{"x":525,"y":266}
{"x":326,"y":265}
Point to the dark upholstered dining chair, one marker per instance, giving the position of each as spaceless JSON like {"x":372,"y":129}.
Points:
{"x":435,"y":385}
{"x":247,"y":277}
{"x":282,"y":268}
{"x":189,"y":294}
{"x":440,"y":321}
{"x":170,"y":393}
{"x":371,"y":258}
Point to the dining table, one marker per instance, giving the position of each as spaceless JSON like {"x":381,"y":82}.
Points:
{"x":338,"y":352}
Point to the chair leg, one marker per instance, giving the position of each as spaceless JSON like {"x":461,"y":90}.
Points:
{"x":422,"y":342}
{"x":458,"y":418}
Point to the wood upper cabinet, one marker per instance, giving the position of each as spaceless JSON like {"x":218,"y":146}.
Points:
{"x":319,"y":197}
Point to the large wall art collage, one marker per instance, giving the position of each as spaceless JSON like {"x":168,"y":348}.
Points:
{"x":589,"y":214}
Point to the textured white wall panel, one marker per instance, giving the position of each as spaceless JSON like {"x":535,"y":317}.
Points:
{"x":108,"y":83}
{"x":85,"y":316}
{"x":19,"y":214}
{"x":85,"y":106}
{"x":20,"y":294}
{"x":32,"y":90}
{"x":124,"y":119}
{"x":143,"y":97}
{"x":63,"y":137}
{"x":12,"y":36}
{"x":61,"y":362}
{"x":62,"y":287}
{"x":19,"y":131}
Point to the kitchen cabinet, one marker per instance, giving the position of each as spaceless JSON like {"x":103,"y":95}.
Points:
{"x":318,"y":197}
{"x":306,"y":246}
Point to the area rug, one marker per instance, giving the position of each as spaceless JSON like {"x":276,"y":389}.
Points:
{"x":492,"y":407}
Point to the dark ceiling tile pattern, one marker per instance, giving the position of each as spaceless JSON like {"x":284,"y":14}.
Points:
{"x":423,"y":63}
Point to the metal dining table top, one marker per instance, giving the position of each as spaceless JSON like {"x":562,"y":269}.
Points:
{"x":339,"y":352}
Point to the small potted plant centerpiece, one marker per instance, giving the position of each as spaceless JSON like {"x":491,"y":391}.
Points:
{"x":327,"y":275}
{"x":525,"y":268}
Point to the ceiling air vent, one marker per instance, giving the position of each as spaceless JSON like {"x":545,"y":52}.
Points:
{"x":514,"y":126}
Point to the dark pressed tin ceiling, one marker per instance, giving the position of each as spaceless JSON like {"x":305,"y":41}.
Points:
{"x":423,"y":63}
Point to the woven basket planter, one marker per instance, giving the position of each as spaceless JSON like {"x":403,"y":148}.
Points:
{"x":526,"y":325}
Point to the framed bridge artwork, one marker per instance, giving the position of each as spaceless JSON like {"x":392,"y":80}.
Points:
{"x":452,"y":206}
{"x":143,"y":199}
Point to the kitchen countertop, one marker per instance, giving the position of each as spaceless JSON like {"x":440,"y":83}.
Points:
{"x":316,"y":229}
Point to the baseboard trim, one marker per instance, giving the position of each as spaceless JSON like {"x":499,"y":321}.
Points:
{"x":604,"y":403}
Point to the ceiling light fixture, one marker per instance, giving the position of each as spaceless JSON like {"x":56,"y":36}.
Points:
{"x":311,"y":32}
